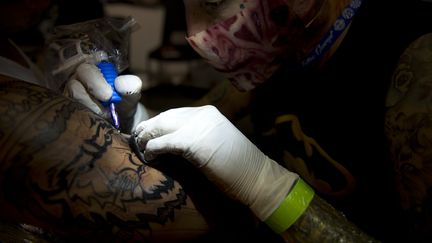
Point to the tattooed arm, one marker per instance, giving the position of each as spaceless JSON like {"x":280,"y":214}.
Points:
{"x":408,"y":127}
{"x":67,"y":170}
{"x":322,"y":223}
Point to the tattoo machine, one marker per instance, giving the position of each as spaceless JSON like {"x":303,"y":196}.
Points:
{"x":109,"y":71}
{"x":103,"y":42}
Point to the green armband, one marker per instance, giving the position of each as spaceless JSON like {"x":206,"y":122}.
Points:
{"x":291,"y":208}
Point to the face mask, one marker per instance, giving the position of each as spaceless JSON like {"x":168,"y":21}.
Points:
{"x":250,"y":46}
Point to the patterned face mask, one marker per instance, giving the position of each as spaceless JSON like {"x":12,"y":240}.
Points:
{"x":250,"y":46}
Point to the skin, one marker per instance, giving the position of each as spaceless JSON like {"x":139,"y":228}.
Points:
{"x":318,"y":17}
{"x":202,"y":14}
{"x":323,"y":223}
{"x":67,"y":170}
{"x":70,"y":173}
{"x":63,"y":195}
{"x":408,"y":129}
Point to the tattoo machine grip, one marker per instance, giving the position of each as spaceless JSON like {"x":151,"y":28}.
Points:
{"x":109,"y":72}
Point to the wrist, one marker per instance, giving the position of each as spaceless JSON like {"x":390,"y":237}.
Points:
{"x":271,"y":188}
{"x":291,"y":208}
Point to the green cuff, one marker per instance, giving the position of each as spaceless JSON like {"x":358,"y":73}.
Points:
{"x":291,"y":208}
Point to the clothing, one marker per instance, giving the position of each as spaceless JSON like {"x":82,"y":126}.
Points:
{"x":342,"y":107}
{"x":251,"y":45}
{"x":15,"y":70}
{"x":31,"y":74}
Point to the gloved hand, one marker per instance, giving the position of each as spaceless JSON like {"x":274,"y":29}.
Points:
{"x":89,"y":87}
{"x":206,"y":138}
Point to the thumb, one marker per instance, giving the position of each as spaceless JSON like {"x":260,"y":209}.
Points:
{"x":127,"y":85}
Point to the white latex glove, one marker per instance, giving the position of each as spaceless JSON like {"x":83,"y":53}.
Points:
{"x":207,"y":139}
{"x":89,"y":87}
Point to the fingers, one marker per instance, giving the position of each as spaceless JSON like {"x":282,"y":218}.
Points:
{"x":172,"y":120}
{"x":150,"y":129}
{"x":176,"y":130}
{"x":95,"y":90}
{"x":93,"y":80}
{"x":164,"y":144}
{"x":162,"y":124}
{"x":127,"y":85}
{"x":77,"y":91}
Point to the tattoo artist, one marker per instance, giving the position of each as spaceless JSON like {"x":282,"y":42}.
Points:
{"x":328,"y":62}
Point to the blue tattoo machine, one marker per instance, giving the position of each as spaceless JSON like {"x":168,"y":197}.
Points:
{"x":103,"y":42}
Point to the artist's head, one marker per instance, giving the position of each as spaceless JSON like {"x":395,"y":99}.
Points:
{"x":248,"y":40}
{"x":21,"y":15}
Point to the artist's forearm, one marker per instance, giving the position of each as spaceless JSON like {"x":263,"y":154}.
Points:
{"x":67,"y":169}
{"x":323,"y":223}
{"x":231,"y":102}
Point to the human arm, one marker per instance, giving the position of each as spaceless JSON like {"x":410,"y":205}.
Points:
{"x":321,"y":222}
{"x":65,"y":169}
{"x":408,"y":126}
{"x":209,"y":141}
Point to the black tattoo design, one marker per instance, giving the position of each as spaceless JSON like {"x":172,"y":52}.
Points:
{"x":68,"y":167}
{"x":409,"y":133}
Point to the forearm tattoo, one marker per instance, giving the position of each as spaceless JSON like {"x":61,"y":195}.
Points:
{"x":323,"y":223}
{"x":67,"y":169}
{"x":409,"y":133}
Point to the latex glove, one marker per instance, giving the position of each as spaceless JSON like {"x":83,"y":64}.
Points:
{"x":206,"y":138}
{"x":89,"y":87}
